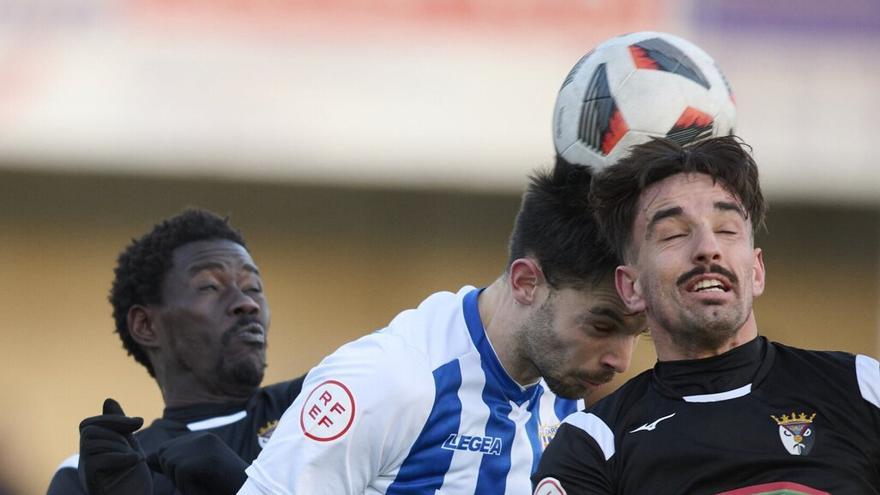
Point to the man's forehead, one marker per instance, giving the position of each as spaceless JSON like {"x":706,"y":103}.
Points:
{"x":604,"y":303}
{"x":601,"y":300}
{"x":680,"y":189}
{"x":194,"y":254}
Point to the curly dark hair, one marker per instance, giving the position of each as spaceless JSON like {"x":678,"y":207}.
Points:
{"x":555,"y":225}
{"x":141,"y":268}
{"x":615,"y":191}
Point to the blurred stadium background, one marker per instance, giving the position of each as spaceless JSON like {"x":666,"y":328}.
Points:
{"x":372,"y":153}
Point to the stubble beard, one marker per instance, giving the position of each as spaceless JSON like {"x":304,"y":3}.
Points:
{"x":244,"y":372}
{"x":540,"y":345}
{"x":241,"y":370}
{"x":705,"y":328}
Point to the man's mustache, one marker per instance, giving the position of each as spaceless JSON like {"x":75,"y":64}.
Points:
{"x":237,"y":327}
{"x":702,"y":271}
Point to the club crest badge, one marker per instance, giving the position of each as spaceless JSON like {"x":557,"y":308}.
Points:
{"x":796,"y":432}
{"x":264,"y":433}
{"x":547,"y":432}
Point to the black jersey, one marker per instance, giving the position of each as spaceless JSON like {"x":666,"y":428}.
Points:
{"x":245,"y":427}
{"x":763,"y":418}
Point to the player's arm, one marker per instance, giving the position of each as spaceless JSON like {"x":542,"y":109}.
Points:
{"x":65,"y":481}
{"x":576,"y":460}
{"x":868,"y":376}
{"x":353,"y":423}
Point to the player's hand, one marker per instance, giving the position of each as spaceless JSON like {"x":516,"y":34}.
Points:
{"x":200,"y":463}
{"x":110,"y":460}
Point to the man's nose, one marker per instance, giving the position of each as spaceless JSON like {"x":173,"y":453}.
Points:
{"x":244,"y":304}
{"x":619,"y":353}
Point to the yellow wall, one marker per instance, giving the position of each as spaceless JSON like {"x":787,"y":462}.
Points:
{"x":338,"y":263}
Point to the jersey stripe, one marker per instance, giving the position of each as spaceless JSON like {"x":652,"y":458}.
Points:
{"x":462,"y":474}
{"x":493,"y":472}
{"x":444,"y":420}
{"x":533,"y":427}
{"x":596,"y":428}
{"x":522,"y":452}
{"x":491,"y":365}
{"x":720,"y":396}
{"x":564,"y":407}
{"x":868,"y":373}
{"x":207,"y":424}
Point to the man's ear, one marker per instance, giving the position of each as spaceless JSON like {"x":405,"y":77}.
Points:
{"x":629,"y":288}
{"x":758,"y":273}
{"x":141,"y":326}
{"x":525,"y":277}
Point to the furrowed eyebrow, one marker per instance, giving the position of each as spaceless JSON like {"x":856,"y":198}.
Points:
{"x":214,"y":265}
{"x":608,"y":313}
{"x":728,"y":206}
{"x":665,"y":213}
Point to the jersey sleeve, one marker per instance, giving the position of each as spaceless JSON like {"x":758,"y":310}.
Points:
{"x":868,"y":377}
{"x":576,"y":460}
{"x":66,"y":479}
{"x":358,"y":414}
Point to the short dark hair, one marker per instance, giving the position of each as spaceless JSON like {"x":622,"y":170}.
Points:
{"x":555,"y":226}
{"x":141,"y":268}
{"x":615,"y":191}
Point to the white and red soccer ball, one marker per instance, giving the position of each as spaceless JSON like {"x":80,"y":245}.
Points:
{"x":634,"y":87}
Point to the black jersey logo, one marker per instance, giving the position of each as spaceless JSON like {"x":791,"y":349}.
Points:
{"x":796,"y":432}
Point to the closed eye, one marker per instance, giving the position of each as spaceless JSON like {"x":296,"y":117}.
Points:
{"x":673,"y":236}
{"x":208,"y":288}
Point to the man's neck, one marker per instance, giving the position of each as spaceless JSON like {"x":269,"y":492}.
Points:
{"x":186,"y":390}
{"x":501,"y":318}
{"x":669,"y":350}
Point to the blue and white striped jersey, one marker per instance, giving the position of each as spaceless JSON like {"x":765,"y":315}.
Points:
{"x":422,"y":406}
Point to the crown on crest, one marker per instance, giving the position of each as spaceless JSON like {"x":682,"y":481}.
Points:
{"x":793,"y":419}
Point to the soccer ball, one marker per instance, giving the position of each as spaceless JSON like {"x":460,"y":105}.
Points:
{"x":634,"y":87}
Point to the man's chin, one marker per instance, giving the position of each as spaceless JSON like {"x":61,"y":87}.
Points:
{"x":246,"y":373}
{"x":567,"y":390}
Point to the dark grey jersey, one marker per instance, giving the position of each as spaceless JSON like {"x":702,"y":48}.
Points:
{"x":245,"y":427}
{"x":762,"y":419}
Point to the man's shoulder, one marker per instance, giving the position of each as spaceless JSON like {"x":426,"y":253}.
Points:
{"x":285,"y":391}
{"x":820,"y":362}
{"x":430,"y":335}
{"x":836,"y":376}
{"x":65,"y":481}
{"x":786,"y":350}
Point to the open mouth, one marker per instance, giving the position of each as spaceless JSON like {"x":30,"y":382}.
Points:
{"x":708,"y":284}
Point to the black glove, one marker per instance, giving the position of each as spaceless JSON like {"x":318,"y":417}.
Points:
{"x":110,"y":460}
{"x":199,"y":463}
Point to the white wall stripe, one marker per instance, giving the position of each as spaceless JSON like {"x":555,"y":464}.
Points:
{"x":868,"y":373}
{"x":596,"y":428}
{"x":209,"y":423}
{"x":720,"y":396}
